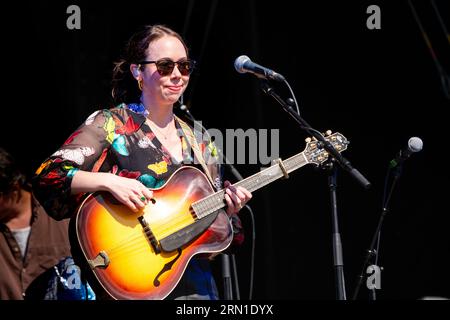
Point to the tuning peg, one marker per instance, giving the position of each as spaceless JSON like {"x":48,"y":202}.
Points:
{"x":308,"y":140}
{"x":328,"y":133}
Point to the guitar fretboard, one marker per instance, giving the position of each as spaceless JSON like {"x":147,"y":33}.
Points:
{"x":216,"y":201}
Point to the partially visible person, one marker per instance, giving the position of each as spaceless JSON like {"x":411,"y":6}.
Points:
{"x":31,"y":242}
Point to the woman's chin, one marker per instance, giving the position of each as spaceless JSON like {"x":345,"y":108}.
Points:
{"x":170,"y":100}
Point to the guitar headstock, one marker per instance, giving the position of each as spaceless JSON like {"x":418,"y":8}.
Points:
{"x":318,"y":155}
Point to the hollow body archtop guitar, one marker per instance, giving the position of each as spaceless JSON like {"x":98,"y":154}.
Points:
{"x":143,"y":255}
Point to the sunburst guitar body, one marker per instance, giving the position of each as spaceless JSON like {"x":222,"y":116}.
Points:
{"x":143,"y":255}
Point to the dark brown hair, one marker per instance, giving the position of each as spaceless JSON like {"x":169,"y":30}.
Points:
{"x":124,"y":86}
{"x":10,"y":173}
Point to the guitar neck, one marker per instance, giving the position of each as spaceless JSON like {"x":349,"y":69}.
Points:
{"x":216,"y":201}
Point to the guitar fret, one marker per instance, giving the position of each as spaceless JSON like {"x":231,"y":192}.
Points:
{"x":261,"y":179}
{"x":209,"y":203}
{"x":202,"y":206}
{"x":212,"y":203}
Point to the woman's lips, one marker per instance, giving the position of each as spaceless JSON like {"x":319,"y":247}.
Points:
{"x":174,"y":88}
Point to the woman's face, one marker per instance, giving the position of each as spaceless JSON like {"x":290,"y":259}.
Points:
{"x":164,"y":89}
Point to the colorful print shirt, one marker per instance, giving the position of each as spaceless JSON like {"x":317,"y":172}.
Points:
{"x":119,"y":141}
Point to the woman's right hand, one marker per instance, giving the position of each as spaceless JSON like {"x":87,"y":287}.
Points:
{"x":130,"y":192}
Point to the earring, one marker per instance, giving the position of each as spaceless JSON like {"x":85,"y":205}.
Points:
{"x":140,"y":85}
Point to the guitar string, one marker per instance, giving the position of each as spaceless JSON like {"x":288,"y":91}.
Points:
{"x":166,"y":225}
{"x":165,"y":229}
{"x":137,"y":249}
{"x":136,"y":244}
{"x":144,"y":246}
{"x":133,"y":241}
{"x":159,"y":232}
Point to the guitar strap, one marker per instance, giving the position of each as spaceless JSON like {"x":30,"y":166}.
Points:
{"x":195,"y":147}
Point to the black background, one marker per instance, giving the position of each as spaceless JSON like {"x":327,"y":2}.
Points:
{"x":377,"y":87}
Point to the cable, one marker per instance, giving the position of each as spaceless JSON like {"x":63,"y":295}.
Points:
{"x":444,"y":77}
{"x":441,"y":22}
{"x":383,"y":205}
{"x":207,"y":29}
{"x":293,"y":96}
{"x":298,"y":109}
{"x":187,"y":19}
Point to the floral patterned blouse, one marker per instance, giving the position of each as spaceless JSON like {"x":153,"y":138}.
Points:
{"x":119,"y":141}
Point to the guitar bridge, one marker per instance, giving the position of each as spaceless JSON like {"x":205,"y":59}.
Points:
{"x":149,"y":234}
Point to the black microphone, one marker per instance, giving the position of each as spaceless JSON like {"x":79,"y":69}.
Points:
{"x":415,"y":144}
{"x":243,"y":64}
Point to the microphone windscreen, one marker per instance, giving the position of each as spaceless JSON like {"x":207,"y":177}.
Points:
{"x":415,"y":144}
{"x":239,"y":63}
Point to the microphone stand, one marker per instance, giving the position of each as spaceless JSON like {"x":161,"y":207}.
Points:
{"x":226,"y":274}
{"x":338,"y":258}
{"x":373,"y":254}
{"x":345,"y":164}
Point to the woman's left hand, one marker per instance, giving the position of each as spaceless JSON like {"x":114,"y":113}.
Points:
{"x":235,"y":197}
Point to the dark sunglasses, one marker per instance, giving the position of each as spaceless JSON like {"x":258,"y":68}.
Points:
{"x":165,"y":66}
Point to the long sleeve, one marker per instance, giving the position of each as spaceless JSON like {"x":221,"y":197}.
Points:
{"x":81,"y":151}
